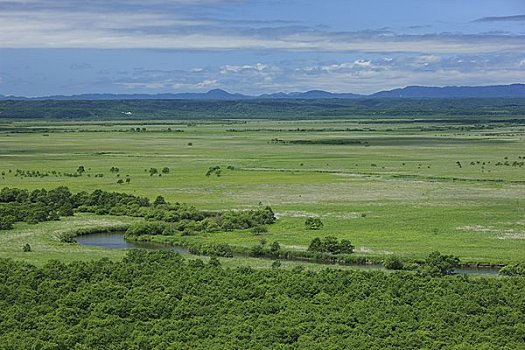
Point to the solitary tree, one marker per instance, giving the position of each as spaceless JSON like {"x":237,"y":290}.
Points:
{"x":159,"y":201}
{"x":438,"y":264}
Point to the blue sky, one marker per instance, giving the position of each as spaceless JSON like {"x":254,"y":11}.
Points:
{"x":134,"y":46}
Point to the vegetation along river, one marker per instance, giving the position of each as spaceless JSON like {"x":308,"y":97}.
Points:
{"x":117,"y":241}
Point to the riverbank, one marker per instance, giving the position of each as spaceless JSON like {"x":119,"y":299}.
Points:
{"x":118,"y":241}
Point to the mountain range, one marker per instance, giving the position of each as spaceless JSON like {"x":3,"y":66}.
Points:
{"x":493,"y":91}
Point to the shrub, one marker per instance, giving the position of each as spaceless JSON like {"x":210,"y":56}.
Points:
{"x":513,"y":270}
{"x":259,"y":229}
{"x":147,"y":228}
{"x":257,"y":251}
{"x":393,"y":263}
{"x":331,"y":245}
{"x":313,"y":224}
{"x":275,"y":248}
{"x":437,"y":264}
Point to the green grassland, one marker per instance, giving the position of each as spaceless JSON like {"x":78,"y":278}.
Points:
{"x":45,"y":244}
{"x":403,"y":186}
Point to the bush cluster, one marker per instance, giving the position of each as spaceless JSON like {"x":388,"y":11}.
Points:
{"x":331,"y":245}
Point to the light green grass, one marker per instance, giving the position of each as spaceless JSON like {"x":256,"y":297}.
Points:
{"x":404,"y":194}
{"x":45,"y":244}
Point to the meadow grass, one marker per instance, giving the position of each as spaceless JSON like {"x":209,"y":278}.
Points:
{"x":44,"y":240}
{"x":413,"y":188}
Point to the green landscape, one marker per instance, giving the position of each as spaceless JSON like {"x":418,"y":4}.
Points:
{"x":295,"y":233}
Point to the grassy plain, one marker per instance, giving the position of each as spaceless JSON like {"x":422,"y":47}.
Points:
{"x":45,"y":244}
{"x":405,"y":188}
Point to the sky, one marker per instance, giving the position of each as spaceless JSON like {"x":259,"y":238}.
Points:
{"x":51,"y":47}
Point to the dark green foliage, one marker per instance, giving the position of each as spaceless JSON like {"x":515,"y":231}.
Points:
{"x":316,"y":245}
{"x":153,"y":171}
{"x":42,"y":205}
{"x":214,"y":170}
{"x":392,"y":262}
{"x":437,"y":264}
{"x":159,"y":201}
{"x":257,"y":250}
{"x":214,"y":262}
{"x":513,"y":270}
{"x":275,"y":248}
{"x":330,"y":245}
{"x":472,"y":109}
{"x":313,"y":224}
{"x":259,"y":229}
{"x":147,"y":228}
{"x":337,"y":141}
{"x":7,"y":221}
{"x":67,"y":237}
{"x":165,"y":170}
{"x":157,"y":300}
{"x":26,"y":248}
{"x":213,"y":250}
{"x":34,"y":207}
{"x":187,"y":219}
{"x":276,"y":264}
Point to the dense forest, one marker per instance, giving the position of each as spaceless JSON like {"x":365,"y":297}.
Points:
{"x":158,"y":300}
{"x":467,"y":108}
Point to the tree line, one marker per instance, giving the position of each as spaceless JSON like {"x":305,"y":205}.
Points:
{"x":20,"y":205}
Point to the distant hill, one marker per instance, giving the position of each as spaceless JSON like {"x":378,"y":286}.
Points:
{"x":308,"y":95}
{"x":216,"y":94}
{"x":514,"y":90}
{"x":495,"y":91}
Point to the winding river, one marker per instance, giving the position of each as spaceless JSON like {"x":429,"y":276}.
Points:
{"x":117,"y":241}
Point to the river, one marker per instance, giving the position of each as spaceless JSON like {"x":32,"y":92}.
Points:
{"x":117,"y":241}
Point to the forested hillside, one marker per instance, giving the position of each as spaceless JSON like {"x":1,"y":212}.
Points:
{"x":270,"y":109}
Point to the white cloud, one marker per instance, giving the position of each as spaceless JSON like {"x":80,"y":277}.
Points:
{"x":259,"y":67}
{"x":426,"y":59}
{"x":156,"y":30}
{"x":170,"y":85}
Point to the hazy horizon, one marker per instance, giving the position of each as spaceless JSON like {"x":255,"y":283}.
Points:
{"x":53,"y":47}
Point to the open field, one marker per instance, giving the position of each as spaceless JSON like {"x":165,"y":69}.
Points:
{"x":403,"y":187}
{"x":45,"y":244}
